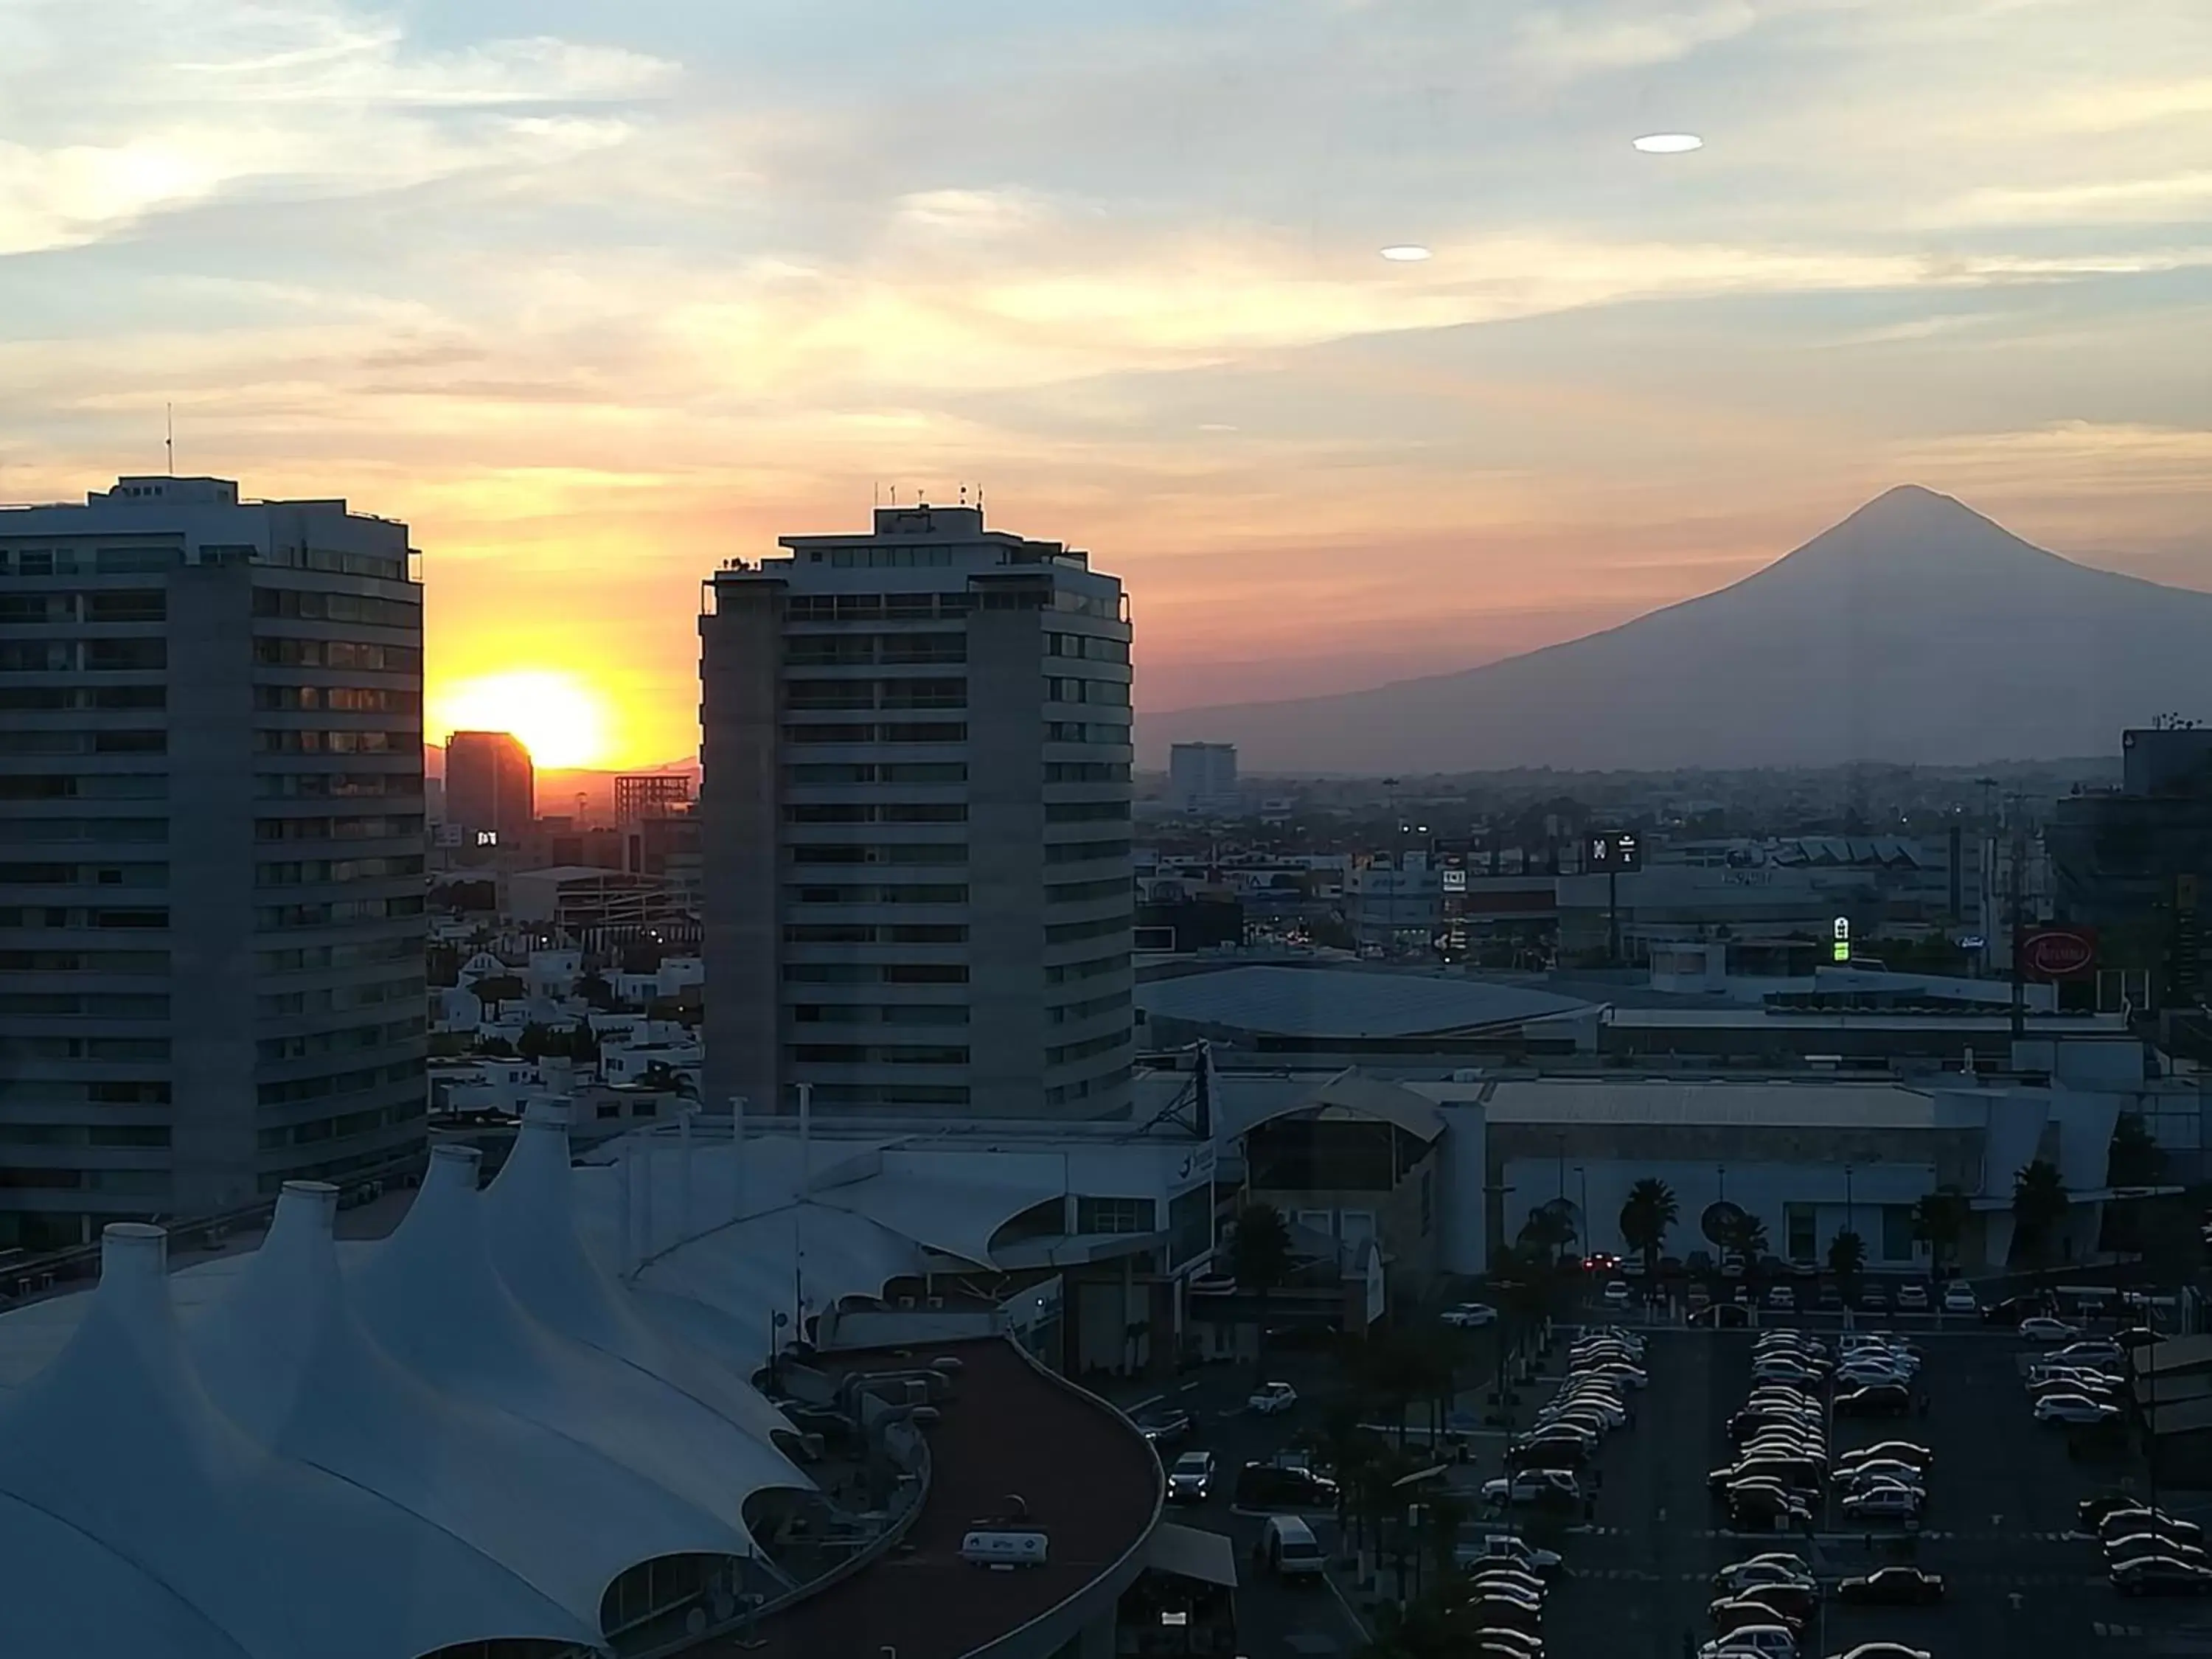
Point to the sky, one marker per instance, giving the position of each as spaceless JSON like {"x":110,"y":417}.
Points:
{"x":596,"y":297}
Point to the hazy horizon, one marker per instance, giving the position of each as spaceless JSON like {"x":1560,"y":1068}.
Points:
{"x":596,"y":300}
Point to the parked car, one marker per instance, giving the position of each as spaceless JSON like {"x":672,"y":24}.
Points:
{"x":1165,"y":1427}
{"x":2077,"y":1409}
{"x":1885,"y":1502}
{"x":2011,"y":1310}
{"x":1271,"y":1487}
{"x":1533,"y":1488}
{"x":1893,"y":1587}
{"x":1804,"y":1266}
{"x":2041,"y":1327}
{"x":2140,"y":1543}
{"x":1912,"y":1298}
{"x":1959,"y":1299}
{"x":1191,"y":1479}
{"x":1617,"y":1293}
{"x":1875,"y":1399}
{"x":1725,"y":1317}
{"x":1906,"y":1451}
{"x":1885,"y":1471}
{"x":1272,"y":1399}
{"x":1494,"y":1577}
{"x":2093,"y":1510}
{"x":1470,"y":1315}
{"x":1766,"y":1641}
{"x":1697,"y":1298}
{"x":2136,"y":1518}
{"x":1505,"y":1548}
{"x":1792,"y":1604}
{"x":1288,"y":1548}
{"x":1829,"y":1300}
{"x":1883,"y":1650}
{"x":2161,"y":1575}
{"x":1776,"y":1567}
{"x":1781,"y":1297}
{"x":1729,"y":1614}
{"x":2097,"y":1353}
{"x":1874,"y":1298}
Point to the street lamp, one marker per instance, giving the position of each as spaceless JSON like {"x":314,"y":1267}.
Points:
{"x":1848,"y":1227}
{"x":1721,"y":1171}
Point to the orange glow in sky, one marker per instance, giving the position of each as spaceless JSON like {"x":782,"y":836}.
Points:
{"x":561,"y":720}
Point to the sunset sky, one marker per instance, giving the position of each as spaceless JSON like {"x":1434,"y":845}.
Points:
{"x":597,"y":295}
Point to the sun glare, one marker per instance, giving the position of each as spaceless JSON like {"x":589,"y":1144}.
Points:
{"x":560,"y":719}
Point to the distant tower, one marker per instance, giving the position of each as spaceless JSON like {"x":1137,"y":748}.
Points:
{"x":491,"y":787}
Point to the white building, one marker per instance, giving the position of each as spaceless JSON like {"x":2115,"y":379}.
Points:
{"x":1202,"y":777}
{"x":915,"y":798}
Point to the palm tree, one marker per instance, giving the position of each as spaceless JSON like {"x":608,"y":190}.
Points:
{"x":1550,"y":1228}
{"x":1847,"y":1258}
{"x":2040,"y":1202}
{"x":1644,"y":1218}
{"x":1260,"y":1258}
{"x":1938,"y":1218}
{"x":2133,"y":1157}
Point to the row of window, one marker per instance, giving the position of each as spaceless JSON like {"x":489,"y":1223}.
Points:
{"x":843,"y":772}
{"x":344,"y":699}
{"x":86,"y":656}
{"x":1068,"y":1054}
{"x":915,"y":893}
{"x":1066,"y":932}
{"x":84,"y":875}
{"x":353,"y":953}
{"x":863,"y":731}
{"x":337,"y":1083}
{"x":372,"y":826}
{"x":342,"y":1127}
{"x":72,"y":561}
{"x":877,"y":1053}
{"x":72,"y":1091}
{"x":875,"y":973}
{"x":890,"y":1094}
{"x":311,"y":605}
{"x":274,"y":918}
{"x":1112,"y":694}
{"x":88,"y":786}
{"x":63,"y":699}
{"x":68,"y":916}
{"x":1086,"y":771}
{"x":142,"y":1184}
{"x":291,"y":741}
{"x":808,"y":695}
{"x":379,"y":565}
{"x":308,"y":872}
{"x":1088,"y":646}
{"x":103,"y":830}
{"x":82,"y":1005}
{"x":84,"y":961}
{"x":1081,"y":731}
{"x":856,"y":650}
{"x":336,"y":999}
{"x":1078,"y":892}
{"x":869,"y":1013}
{"x":121,"y":605}
{"x":343,"y":1040}
{"x":1069,"y":1013}
{"x":1069,"y":972}
{"x":1066,"y":1094}
{"x":877,"y":607}
{"x":106,"y":742}
{"x":925,"y":852}
{"x":862,"y":932}
{"x":271,"y":652}
{"x":1084,"y":852}
{"x":1085,"y":811}
{"x":135,"y":1051}
{"x":319,"y":786}
{"x":876,"y":812}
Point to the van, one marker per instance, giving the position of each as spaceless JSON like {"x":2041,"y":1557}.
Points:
{"x":1288,"y":1548}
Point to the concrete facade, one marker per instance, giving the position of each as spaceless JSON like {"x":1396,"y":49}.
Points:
{"x":915,"y":807}
{"x":211,"y":827}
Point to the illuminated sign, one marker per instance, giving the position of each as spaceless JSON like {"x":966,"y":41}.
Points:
{"x":1843,"y":947}
{"x":2057,"y":952}
{"x":487,"y":837}
{"x":1454,"y":881}
{"x":1615,"y":851}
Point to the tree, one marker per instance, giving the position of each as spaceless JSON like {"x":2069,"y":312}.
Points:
{"x":2039,"y":1202}
{"x":1644,"y":1218}
{"x":594,"y":988}
{"x":1938,"y":1218}
{"x":1847,"y":1258}
{"x":494,"y":988}
{"x":1260,"y":1258}
{"x":664,"y":1079}
{"x":1744,"y":1234}
{"x":2132,"y":1160}
{"x":1549,"y":1228}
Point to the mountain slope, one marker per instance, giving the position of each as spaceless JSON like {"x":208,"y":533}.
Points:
{"x":1915,"y":630}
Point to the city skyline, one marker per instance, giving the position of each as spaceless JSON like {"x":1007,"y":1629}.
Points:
{"x":595,"y":304}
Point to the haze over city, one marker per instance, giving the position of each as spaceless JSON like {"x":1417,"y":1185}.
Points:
{"x":596,"y":299}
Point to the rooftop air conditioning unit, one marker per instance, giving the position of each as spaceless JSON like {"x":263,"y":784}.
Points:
{"x":1003,"y":1548}
{"x":906,"y":1302}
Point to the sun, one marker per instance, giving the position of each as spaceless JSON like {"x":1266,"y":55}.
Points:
{"x":560,"y":720}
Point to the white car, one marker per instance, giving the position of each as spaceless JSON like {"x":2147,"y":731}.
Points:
{"x":2042,"y":1329}
{"x":2095,"y":1354}
{"x":1471,"y":1315}
{"x":1532,"y":1487}
{"x":2073,"y":1408}
{"x":1618,"y":1370}
{"x":1617,"y":1293}
{"x":1753,"y":1642}
{"x":1886,"y":1501}
{"x":1272,"y":1399}
{"x":1880,"y":1472}
{"x":1763,"y":1570}
{"x":1959,"y":1299}
{"x":1516,"y":1552}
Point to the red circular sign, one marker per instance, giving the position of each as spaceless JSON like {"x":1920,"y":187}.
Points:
{"x":2056,"y":954}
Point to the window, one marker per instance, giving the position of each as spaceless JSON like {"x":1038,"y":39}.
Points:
{"x":1897,"y":1232}
{"x":1066,"y":932}
{"x":129,"y":604}
{"x":1114,"y":1215}
{"x":1068,"y":1054}
{"x":1084,"y":852}
{"x":1800,"y":1224}
{"x":1085,"y":811}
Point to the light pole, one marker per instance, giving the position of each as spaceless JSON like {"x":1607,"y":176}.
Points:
{"x":1847,"y":1200}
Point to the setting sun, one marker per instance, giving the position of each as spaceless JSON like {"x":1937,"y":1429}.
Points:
{"x":560,"y":719}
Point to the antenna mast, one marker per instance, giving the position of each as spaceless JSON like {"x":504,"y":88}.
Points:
{"x":169,"y":435}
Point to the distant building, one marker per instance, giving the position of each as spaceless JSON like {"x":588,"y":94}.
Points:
{"x":211,"y":950}
{"x":641,"y":795}
{"x":915,"y":798}
{"x":1202,"y":777}
{"x":490,"y":785}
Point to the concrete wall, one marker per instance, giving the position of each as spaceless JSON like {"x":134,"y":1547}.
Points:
{"x":1005,"y":1033}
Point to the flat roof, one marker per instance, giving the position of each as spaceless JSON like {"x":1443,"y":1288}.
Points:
{"x":1088,"y":1479}
{"x":1342,"y":1001}
{"x":1806,"y":1104}
{"x":1993,"y":1016}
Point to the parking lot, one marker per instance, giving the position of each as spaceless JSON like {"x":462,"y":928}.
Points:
{"x":2000,"y":1526}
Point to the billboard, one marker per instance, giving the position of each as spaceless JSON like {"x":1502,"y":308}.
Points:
{"x":2058,"y":952}
{"x":1615,"y":851}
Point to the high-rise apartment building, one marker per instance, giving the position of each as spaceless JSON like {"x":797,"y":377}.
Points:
{"x":491,"y":787}
{"x":1202,"y":777}
{"x":915,"y":800}
{"x":641,"y":795}
{"x":212,"y":853}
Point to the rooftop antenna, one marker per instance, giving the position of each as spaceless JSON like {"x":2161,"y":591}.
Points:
{"x":169,"y":435}
{"x":963,"y":495}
